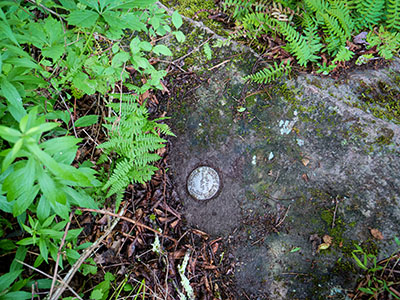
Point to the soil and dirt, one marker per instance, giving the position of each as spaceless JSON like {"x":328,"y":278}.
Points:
{"x":307,"y":162}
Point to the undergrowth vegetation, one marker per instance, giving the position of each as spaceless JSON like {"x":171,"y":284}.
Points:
{"x":321,"y":34}
{"x":54,"y":55}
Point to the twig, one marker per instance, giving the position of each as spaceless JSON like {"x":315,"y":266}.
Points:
{"x":46,"y":8}
{"x":334,"y":213}
{"x":59,"y":254}
{"x":48,"y":276}
{"x":284,"y":217}
{"x":90,"y":137}
{"x":394,"y":291}
{"x":70,"y":115}
{"x":61,"y":288}
{"x":189,"y":53}
{"x":218,"y":65}
{"x":137,"y":223}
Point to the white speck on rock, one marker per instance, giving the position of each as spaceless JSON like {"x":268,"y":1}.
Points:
{"x":300,"y":142}
{"x":254,"y":160}
{"x":271,"y":156}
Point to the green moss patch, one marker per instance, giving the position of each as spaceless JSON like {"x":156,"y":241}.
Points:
{"x":382,"y":100}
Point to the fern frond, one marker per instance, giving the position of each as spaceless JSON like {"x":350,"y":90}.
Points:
{"x":141,"y":175}
{"x":340,"y":11}
{"x":317,"y":5}
{"x":207,"y":51}
{"x":270,"y":73}
{"x":343,"y":54}
{"x":334,"y":33}
{"x":120,"y":179}
{"x":312,"y":38}
{"x":369,"y":12}
{"x":393,"y":14}
{"x":164,"y":128}
{"x":134,"y":138}
{"x":297,"y":44}
{"x":257,"y":24}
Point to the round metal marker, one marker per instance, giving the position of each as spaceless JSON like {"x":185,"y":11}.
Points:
{"x":203,"y":183}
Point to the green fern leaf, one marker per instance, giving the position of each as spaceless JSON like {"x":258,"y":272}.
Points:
{"x":369,"y":12}
{"x":343,"y":54}
{"x":134,"y":138}
{"x":207,"y":51}
{"x":270,"y":73}
{"x":393,"y":14}
{"x":297,"y":44}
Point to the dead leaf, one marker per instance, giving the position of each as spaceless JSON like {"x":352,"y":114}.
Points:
{"x":174,"y":223}
{"x":207,"y":284}
{"x":103,"y":220}
{"x":376,"y":233}
{"x":201,"y":233}
{"x":327,"y":239}
{"x":214,"y":248}
{"x":161,"y":151}
{"x":158,"y":212}
{"x":131,"y":249}
{"x":305,"y":177}
{"x":144,"y":96}
{"x":361,"y":38}
{"x":323,"y":246}
{"x":179,"y":254}
{"x":305,"y":161}
{"x":165,"y":90}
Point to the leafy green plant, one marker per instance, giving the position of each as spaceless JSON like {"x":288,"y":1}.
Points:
{"x":313,"y":29}
{"x":387,"y":43}
{"x":100,"y":292}
{"x":45,"y":170}
{"x":378,"y":278}
{"x":47,"y":235}
{"x":134,"y":138}
{"x":270,"y":73}
{"x":54,"y":54}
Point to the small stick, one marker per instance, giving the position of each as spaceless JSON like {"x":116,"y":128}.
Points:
{"x":61,"y":288}
{"x":194,"y":50}
{"x":48,"y":276}
{"x":137,"y":223}
{"x":284,"y":217}
{"x":334,"y":213}
{"x":59,"y":253}
{"x":70,"y":115}
{"x":220,"y":64}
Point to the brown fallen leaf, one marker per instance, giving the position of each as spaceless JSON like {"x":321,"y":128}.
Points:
{"x":165,"y":90}
{"x":305,"y":177}
{"x":214,"y":248}
{"x":305,"y":161}
{"x":327,"y":239}
{"x":201,"y":233}
{"x":179,"y":253}
{"x":376,"y":233}
{"x":131,"y":249}
{"x":174,"y":223}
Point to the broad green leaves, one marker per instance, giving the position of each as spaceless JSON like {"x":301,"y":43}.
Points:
{"x":86,"y":121}
{"x":14,"y":99}
{"x":162,"y":49}
{"x":83,"y":18}
{"x":47,"y":60}
{"x":46,"y":163}
{"x":176,"y":20}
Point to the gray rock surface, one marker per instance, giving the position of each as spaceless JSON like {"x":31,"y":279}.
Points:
{"x":302,"y":161}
